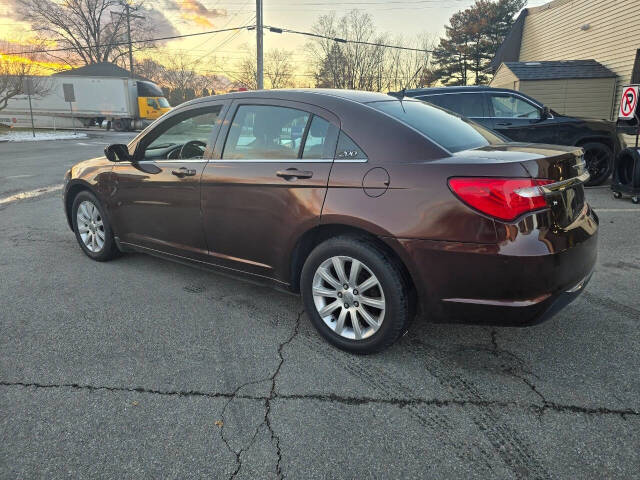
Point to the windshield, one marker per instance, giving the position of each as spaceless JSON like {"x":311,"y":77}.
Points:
{"x":449,"y":130}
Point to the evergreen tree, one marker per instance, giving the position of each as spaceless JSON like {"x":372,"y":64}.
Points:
{"x":472,"y":39}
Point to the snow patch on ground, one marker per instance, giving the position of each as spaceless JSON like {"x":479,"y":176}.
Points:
{"x":26,"y":136}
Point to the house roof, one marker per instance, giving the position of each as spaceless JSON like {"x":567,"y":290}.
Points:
{"x":103,"y":69}
{"x":557,"y":70}
{"x":509,"y":50}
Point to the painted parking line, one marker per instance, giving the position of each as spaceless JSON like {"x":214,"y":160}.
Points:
{"x":19,"y":176}
{"x":616,"y":210}
{"x":30,"y":194}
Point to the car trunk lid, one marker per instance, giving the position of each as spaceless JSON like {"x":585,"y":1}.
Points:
{"x":560,"y":170}
{"x":566,"y":168}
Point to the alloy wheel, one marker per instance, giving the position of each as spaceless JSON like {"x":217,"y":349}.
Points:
{"x":90,"y":226}
{"x":348,"y":297}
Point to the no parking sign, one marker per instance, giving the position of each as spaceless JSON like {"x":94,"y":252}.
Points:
{"x":628,"y":103}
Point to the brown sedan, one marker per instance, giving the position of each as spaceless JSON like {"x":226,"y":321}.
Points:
{"x":372,"y":207}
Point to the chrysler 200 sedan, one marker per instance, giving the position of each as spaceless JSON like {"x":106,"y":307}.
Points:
{"x":374,"y":208}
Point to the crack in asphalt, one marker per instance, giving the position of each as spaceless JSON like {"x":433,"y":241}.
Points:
{"x":266,"y":421}
{"x":513,"y":370}
{"x":350,"y":400}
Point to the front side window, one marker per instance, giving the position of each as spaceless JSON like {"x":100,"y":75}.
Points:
{"x":184,"y":136}
{"x":449,"y":130}
{"x":152,"y":103}
{"x":509,"y":106}
{"x":265,"y":132}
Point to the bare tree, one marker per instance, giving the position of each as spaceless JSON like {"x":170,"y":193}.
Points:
{"x":278,"y":70}
{"x":13,"y":72}
{"x":408,"y":68}
{"x":246,"y":75}
{"x":150,"y":69}
{"x":89,"y":28}
{"x":355,"y":65}
{"x":180,"y":75}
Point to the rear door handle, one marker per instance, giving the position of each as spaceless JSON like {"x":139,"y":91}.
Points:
{"x":291,"y":173}
{"x":504,"y":124}
{"x":183,"y":172}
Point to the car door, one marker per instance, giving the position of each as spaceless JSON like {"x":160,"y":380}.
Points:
{"x":156,"y":197}
{"x":519,"y":119}
{"x":266,"y":183}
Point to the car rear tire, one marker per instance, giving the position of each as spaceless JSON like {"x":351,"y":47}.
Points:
{"x":599,"y":160}
{"x":92,"y":228}
{"x":356,"y":295}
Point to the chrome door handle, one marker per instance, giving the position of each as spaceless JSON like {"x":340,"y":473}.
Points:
{"x":183,"y":172}
{"x":292,"y":173}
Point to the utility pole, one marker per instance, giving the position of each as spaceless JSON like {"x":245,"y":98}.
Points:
{"x":259,"y":38}
{"x":128,"y":13}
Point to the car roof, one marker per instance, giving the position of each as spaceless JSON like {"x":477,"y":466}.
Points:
{"x":310,"y":95}
{"x":470,"y":88}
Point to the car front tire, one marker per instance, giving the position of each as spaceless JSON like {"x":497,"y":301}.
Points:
{"x":92,"y":228}
{"x":356,"y":295}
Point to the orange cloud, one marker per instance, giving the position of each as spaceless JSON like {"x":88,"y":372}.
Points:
{"x":40,"y":67}
{"x":194,"y":11}
{"x":197,"y":19}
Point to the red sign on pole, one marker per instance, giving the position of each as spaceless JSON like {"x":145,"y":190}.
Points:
{"x":628,"y":103}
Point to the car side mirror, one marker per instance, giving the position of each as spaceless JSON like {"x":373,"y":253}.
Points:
{"x":117,"y":152}
{"x":546,"y":112}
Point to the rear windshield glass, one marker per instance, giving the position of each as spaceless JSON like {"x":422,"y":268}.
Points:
{"x":451,"y":131}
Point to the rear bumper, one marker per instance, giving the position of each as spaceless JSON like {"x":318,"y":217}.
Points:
{"x":521,"y":281}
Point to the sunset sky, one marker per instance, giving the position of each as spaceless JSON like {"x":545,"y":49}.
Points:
{"x":407,"y":18}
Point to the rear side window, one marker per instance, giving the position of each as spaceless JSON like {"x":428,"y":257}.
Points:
{"x":466,"y":104}
{"x":348,"y":149}
{"x":451,"y":131}
{"x":265,"y":132}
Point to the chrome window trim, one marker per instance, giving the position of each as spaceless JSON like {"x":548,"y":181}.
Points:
{"x":273,"y":160}
{"x":147,"y":162}
{"x":244,"y":160}
{"x":490,"y":92}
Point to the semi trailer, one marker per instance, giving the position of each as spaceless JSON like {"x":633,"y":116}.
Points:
{"x":124,"y":103}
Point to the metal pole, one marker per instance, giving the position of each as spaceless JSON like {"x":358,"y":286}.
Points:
{"x":33,"y":128}
{"x":127,"y":8}
{"x":260,"y":65}
{"x":72,"y":119}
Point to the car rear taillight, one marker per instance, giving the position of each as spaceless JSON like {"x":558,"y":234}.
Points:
{"x":501,"y":198}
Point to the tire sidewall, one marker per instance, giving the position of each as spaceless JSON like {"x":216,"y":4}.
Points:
{"x":605,"y":148}
{"x":395,"y":293}
{"x":108,"y":247}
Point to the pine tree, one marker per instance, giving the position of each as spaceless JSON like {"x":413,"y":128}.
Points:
{"x":472,"y":39}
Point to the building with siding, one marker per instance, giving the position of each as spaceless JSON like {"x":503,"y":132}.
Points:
{"x":606,"y":31}
{"x":580,"y":88}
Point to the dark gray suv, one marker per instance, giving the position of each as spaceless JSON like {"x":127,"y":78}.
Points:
{"x":523,"y":119}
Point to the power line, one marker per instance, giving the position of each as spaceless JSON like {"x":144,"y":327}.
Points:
{"x":248,"y":27}
{"x":113,"y":44}
{"x":344,"y":40}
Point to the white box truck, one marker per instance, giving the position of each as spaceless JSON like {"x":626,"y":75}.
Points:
{"x":125,"y":102}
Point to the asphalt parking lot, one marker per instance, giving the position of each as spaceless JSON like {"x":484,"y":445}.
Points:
{"x":142,"y":368}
